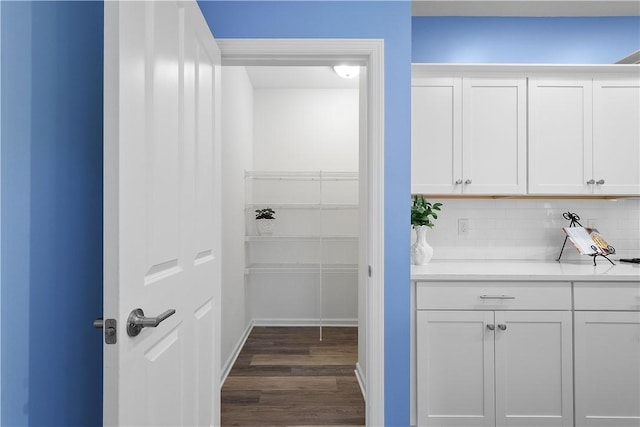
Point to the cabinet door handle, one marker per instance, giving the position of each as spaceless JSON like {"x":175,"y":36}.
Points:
{"x":459,"y":181}
{"x":497,"y":297}
{"x":491,"y":327}
{"x":468,"y":181}
{"x":591,"y":181}
{"x":502,"y":327}
{"x":600,"y":181}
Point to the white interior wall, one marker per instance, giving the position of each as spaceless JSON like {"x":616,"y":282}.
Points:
{"x":237,"y":134}
{"x":530,"y":229}
{"x":306,"y":130}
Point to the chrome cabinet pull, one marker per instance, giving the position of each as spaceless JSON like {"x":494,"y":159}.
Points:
{"x":491,"y":327}
{"x":137,"y":321}
{"x":459,"y":181}
{"x":502,"y":327}
{"x":591,"y":181}
{"x":600,"y":181}
{"x":468,"y":181}
{"x":497,"y":297}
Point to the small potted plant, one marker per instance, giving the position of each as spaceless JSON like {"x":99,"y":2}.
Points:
{"x":422,"y":215}
{"x":265,"y":221}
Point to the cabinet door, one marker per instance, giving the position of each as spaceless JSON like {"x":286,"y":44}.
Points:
{"x":454,"y":365}
{"x":533,"y":366}
{"x":607,"y":368}
{"x":616,"y":136}
{"x":560,"y":136}
{"x":436,"y":136}
{"x":494,"y":136}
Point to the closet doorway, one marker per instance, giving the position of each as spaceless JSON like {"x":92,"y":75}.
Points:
{"x":296,"y":140}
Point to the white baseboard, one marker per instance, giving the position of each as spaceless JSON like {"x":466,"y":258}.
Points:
{"x":306,"y":322}
{"x":234,"y":354}
{"x":361,"y":380}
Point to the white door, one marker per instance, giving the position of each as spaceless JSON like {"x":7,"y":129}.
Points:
{"x":436,"y":137}
{"x":162,"y":219}
{"x":616,"y":136}
{"x":607,"y":369}
{"x":560,"y":136}
{"x":494,"y":136}
{"x":534,"y":381}
{"x":455,"y":371}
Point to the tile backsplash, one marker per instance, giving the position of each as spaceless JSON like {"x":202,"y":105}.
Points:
{"x":530,"y":228}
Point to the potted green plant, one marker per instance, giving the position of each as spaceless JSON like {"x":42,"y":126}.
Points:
{"x":423,"y":214}
{"x":265,"y":221}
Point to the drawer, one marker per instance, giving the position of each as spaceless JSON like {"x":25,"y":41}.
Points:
{"x":623,"y":296}
{"x":493,"y":296}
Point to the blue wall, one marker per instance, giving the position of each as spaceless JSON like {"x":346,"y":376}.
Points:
{"x":51,"y":189}
{"x":600,"y":40}
{"x":391,"y":21}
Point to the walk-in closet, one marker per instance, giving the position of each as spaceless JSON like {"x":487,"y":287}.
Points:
{"x":291,"y":145}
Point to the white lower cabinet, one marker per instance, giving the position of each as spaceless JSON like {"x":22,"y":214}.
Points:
{"x":493,"y":367}
{"x":607,"y":354}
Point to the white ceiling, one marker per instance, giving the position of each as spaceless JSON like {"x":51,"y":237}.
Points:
{"x":525,"y":7}
{"x":298,"y":78}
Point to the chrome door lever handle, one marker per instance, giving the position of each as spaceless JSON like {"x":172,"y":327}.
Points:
{"x":137,"y":321}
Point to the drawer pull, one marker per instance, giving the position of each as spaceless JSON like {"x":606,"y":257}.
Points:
{"x":491,"y":327}
{"x":502,"y":327}
{"x":497,"y":297}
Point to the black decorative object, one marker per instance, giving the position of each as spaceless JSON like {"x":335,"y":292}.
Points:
{"x":574,"y":222}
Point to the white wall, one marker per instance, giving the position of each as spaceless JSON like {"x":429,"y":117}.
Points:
{"x":237,"y":136}
{"x":306,"y":129}
{"x":530,"y":229}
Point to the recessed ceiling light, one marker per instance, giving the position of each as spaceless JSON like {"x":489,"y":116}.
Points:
{"x":347,"y":71}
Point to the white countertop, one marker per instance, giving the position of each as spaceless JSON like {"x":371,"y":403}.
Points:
{"x":582,"y":270}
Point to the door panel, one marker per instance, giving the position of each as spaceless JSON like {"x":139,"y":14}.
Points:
{"x":455,"y":367}
{"x":494,"y":136}
{"x":161,"y":221}
{"x":436,"y":140}
{"x":533,"y":368}
{"x":616,"y":136}
{"x":607,"y":369}
{"x":560,"y":136}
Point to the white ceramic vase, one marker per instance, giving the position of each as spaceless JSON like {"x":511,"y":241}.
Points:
{"x":421,"y":251}
{"x":265,"y":226}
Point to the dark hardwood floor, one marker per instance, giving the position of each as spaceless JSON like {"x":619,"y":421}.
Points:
{"x":285,"y":376}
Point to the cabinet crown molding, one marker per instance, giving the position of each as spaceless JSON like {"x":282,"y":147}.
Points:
{"x":524,"y":70}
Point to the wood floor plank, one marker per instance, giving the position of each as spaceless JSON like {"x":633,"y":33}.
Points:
{"x":301,"y":360}
{"x":281,"y":383}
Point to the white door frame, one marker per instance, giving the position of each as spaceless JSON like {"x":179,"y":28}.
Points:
{"x":368,"y":53}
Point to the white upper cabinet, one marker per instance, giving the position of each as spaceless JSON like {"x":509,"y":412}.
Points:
{"x":436,"y":136}
{"x":560,"y":136}
{"x":616,"y":136}
{"x":584,"y":136}
{"x":494,"y":136}
{"x":517,"y":130}
{"x":468,"y":136}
